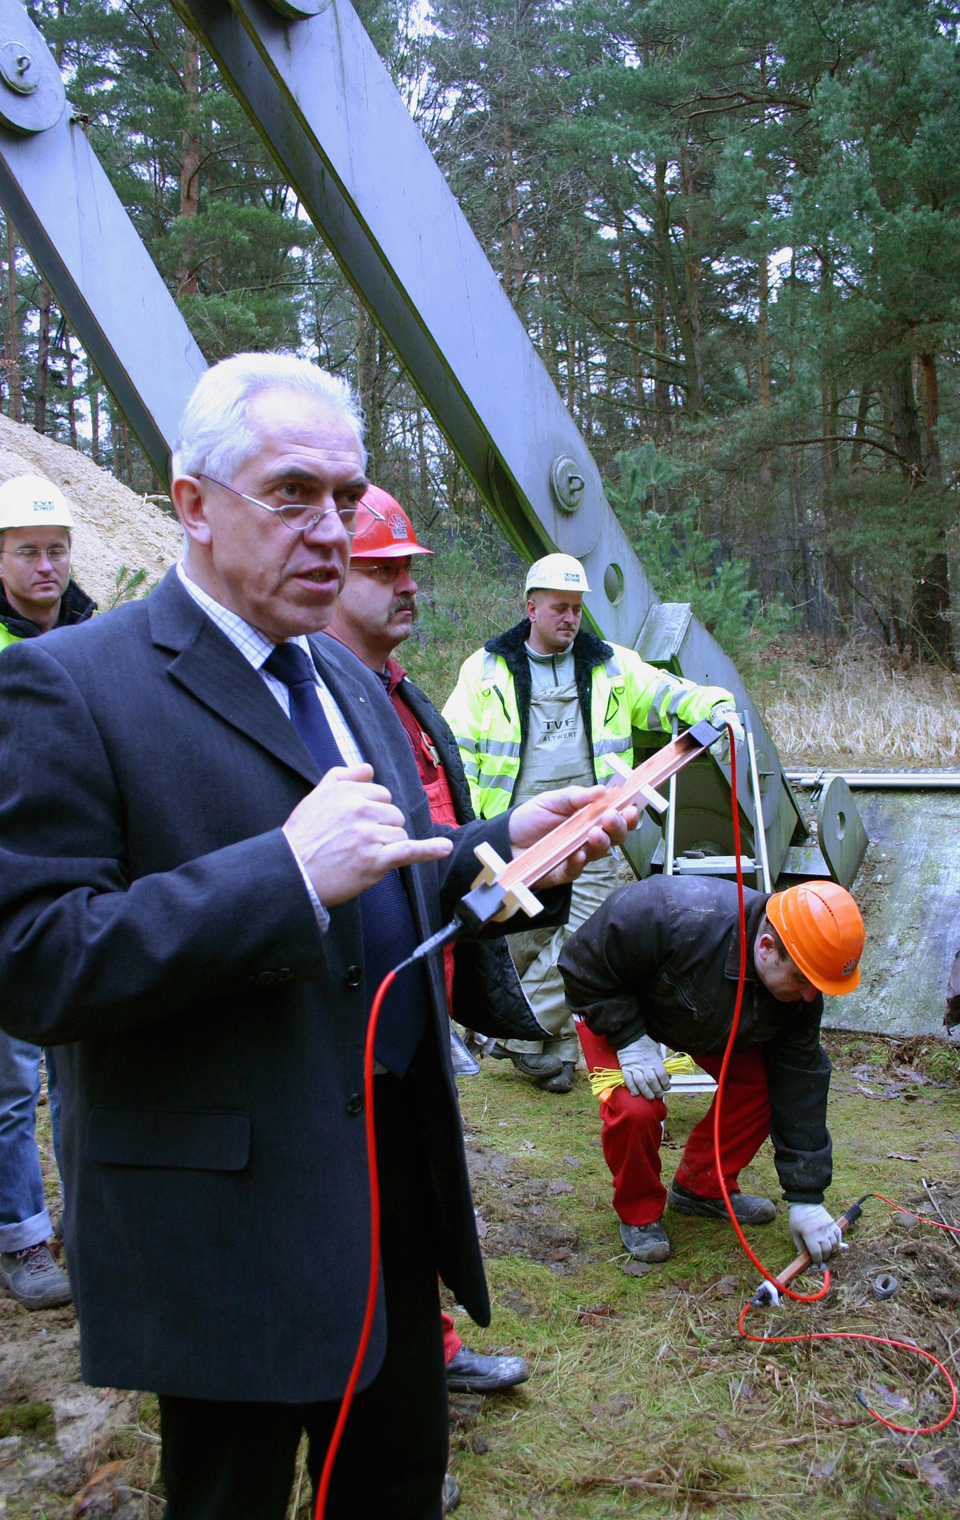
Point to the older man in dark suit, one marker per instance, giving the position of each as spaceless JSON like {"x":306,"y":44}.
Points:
{"x":200,"y":889}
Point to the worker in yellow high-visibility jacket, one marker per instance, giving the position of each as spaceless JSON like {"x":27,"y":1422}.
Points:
{"x":544,"y":705}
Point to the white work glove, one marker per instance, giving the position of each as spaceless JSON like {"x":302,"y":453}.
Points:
{"x":643,"y":1070}
{"x":814,"y":1229}
{"x":720,"y":716}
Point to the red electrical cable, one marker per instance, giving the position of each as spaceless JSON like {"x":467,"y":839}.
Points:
{"x":374,"y":1277}
{"x":822,"y":1335}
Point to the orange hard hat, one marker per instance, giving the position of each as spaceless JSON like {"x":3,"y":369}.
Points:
{"x":822,"y":933}
{"x":384,"y":531}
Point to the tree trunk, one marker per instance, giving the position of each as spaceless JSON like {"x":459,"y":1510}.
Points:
{"x":860,"y":427}
{"x":189,"y":165}
{"x":931,"y":594}
{"x":662,"y":400}
{"x":632,"y":332}
{"x":931,"y":607}
{"x":95,"y":423}
{"x":71,"y":394}
{"x":763,"y":345}
{"x":681,"y":316}
{"x":423,"y":468}
{"x":512,"y":205}
{"x":13,"y":328}
{"x":43,"y":359}
{"x":693,"y":270}
{"x":127,"y":454}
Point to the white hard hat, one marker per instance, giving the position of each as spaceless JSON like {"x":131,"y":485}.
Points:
{"x":29,"y":501}
{"x":557,"y":572}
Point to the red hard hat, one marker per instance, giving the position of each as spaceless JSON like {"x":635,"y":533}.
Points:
{"x":384,"y":531}
{"x":822,"y":933}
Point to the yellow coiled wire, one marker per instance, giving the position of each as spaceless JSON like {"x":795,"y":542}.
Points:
{"x":603,"y":1079}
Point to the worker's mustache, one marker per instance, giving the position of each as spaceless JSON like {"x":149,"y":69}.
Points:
{"x":404,"y":604}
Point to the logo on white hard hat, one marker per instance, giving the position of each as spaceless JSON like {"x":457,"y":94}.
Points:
{"x":556,"y":572}
{"x":397,"y":526}
{"x":29,"y":499}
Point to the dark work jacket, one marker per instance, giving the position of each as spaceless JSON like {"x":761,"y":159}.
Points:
{"x":588,"y":653}
{"x":75,"y":607}
{"x":487,"y":995}
{"x":155,"y":926}
{"x":661,"y":957}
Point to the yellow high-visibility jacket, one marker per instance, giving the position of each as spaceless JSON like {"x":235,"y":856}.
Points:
{"x":489,"y":708}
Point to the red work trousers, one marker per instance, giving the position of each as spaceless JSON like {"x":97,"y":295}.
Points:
{"x":451,"y":1340}
{"x":633,"y":1130}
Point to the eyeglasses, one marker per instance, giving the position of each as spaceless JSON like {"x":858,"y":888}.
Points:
{"x":28,"y":556}
{"x":386,"y":574}
{"x":300,"y":518}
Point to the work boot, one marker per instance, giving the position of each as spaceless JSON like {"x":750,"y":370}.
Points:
{"x":746,"y":1206}
{"x":562,"y":1082}
{"x":469,"y":1372}
{"x":535,"y":1067}
{"x":645,"y":1242}
{"x":33,"y":1278}
{"x":451,"y":1494}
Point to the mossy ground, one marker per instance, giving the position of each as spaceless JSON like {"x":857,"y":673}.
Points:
{"x":643,"y":1398}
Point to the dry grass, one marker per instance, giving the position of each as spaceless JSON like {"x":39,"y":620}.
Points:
{"x":855,"y":710}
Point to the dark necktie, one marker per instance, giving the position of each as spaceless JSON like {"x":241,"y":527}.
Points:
{"x":389,"y":932}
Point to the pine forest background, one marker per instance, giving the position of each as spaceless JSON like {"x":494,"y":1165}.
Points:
{"x":731,"y":228}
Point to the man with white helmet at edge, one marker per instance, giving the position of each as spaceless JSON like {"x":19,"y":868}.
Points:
{"x":36,"y":594}
{"x":546,"y":704}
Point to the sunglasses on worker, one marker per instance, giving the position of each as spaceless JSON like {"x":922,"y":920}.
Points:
{"x":300,"y":517}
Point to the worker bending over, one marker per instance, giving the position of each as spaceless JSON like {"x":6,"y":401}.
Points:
{"x":547,"y":704}
{"x":659,"y":962}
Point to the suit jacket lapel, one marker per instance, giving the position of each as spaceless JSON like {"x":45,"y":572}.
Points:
{"x":216,"y":673}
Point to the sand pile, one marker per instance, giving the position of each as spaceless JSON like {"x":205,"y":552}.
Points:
{"x":114,"y":526}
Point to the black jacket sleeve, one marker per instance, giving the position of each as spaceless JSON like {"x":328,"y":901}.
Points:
{"x":798,"y":1083}
{"x":610,"y":958}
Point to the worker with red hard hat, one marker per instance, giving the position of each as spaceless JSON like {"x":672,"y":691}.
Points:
{"x":658,"y":964}
{"x":375,"y":613}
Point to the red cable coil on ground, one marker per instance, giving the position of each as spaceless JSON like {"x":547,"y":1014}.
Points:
{"x":812,"y":1298}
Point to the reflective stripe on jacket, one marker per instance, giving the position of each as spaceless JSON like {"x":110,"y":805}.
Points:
{"x":489,"y":707}
{"x":7,"y":638}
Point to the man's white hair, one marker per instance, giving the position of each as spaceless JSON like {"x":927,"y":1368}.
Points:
{"x":213,"y":437}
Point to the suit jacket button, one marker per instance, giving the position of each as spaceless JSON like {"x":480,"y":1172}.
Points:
{"x":353,"y":976}
{"x":267,"y":978}
{"x":355,"y":1104}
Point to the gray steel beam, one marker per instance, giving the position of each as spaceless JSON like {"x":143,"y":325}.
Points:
{"x":74,"y":227}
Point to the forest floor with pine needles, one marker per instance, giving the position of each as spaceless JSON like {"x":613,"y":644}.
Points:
{"x":643,"y":1400}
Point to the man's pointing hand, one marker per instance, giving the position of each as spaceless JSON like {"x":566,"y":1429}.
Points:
{"x":348,"y":834}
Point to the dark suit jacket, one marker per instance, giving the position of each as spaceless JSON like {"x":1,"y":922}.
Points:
{"x":154,"y":923}
{"x":487,"y":992}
